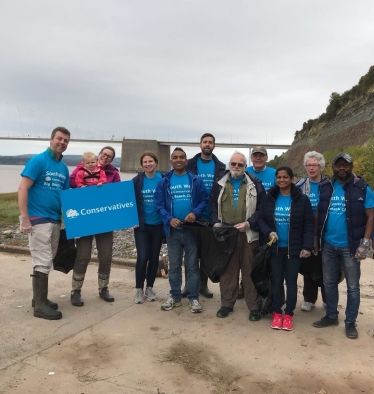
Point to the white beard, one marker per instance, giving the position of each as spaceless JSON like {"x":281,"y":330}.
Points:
{"x":236,"y":175}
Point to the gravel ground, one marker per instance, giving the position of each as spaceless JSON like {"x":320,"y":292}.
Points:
{"x":123,"y":247}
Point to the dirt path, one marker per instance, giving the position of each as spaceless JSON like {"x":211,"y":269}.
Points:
{"x":128,"y":348}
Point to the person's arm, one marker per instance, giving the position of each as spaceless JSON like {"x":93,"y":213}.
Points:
{"x":72,"y":177}
{"x":23,"y":199}
{"x":369,"y":223}
{"x":203,"y":199}
{"x":102,"y":178}
{"x":116,"y":176}
{"x":161,"y":203}
{"x":253,"y":220}
{"x":79,"y":179}
{"x":213,"y":204}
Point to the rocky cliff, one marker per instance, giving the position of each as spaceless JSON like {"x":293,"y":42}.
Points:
{"x":348,"y":121}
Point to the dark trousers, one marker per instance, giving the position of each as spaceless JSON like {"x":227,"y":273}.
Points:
{"x":148,"y":245}
{"x":104,"y":245}
{"x":242,"y":259}
{"x":310,"y":291}
{"x":284,"y":269}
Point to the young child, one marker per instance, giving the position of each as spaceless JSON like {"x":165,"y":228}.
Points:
{"x":90,"y":172}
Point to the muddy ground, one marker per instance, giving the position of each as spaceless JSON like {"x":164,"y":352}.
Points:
{"x":127,"y":348}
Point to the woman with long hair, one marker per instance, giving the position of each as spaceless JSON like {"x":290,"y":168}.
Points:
{"x":286,"y":217}
{"x":149,"y":234}
{"x":104,"y":241}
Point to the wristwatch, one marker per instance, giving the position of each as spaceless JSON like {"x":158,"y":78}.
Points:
{"x":366,"y":242}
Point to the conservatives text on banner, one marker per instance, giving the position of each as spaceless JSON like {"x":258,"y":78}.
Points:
{"x":99,"y":209}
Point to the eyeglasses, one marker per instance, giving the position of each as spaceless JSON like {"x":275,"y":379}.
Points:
{"x":106,"y":155}
{"x":311,"y":165}
{"x":234,"y":164}
{"x":342,"y":165}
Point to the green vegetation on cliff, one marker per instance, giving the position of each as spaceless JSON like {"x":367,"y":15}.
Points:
{"x":362,"y":155}
{"x":362,"y":91}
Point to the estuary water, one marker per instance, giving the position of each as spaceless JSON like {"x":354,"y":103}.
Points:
{"x":10,"y":177}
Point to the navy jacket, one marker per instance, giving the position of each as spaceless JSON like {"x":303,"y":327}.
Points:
{"x":301,"y":232}
{"x":219,"y":167}
{"x":199,"y":198}
{"x":355,"y":194}
{"x":138,"y":184}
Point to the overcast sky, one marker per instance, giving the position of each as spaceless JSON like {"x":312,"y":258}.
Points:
{"x":247,"y":71}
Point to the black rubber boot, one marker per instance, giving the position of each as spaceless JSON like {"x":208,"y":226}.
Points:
{"x":204,"y":291}
{"x":184,"y":291}
{"x":40,"y":287}
{"x":104,"y":294}
{"x":76,"y":299}
{"x":49,"y":302}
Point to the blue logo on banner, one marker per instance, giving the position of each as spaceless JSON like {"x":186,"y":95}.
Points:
{"x":99,"y":209}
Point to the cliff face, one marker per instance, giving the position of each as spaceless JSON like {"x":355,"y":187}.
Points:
{"x":353,"y":125}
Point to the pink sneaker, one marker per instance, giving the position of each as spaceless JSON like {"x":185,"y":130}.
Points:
{"x":287,"y":323}
{"x":277,"y":321}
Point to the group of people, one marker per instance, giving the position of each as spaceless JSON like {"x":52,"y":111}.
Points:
{"x":327,"y":221}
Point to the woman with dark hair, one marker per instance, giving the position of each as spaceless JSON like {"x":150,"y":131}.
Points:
{"x":149,"y":234}
{"x":286,"y":217}
{"x":104,"y":241}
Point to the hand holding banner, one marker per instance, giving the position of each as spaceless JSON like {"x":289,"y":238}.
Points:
{"x":99,"y":209}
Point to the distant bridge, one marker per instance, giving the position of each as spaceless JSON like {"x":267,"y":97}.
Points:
{"x":132,"y":149}
{"x":166,"y":143}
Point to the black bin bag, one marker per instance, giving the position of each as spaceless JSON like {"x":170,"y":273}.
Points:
{"x":66,"y":254}
{"x":216,"y":246}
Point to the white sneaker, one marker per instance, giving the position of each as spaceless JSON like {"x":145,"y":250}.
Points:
{"x":139,"y":297}
{"x":169,"y":304}
{"x":150,"y":294}
{"x":195,"y":306}
{"x":307,"y":306}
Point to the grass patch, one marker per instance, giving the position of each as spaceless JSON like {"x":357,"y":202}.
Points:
{"x":8,"y":209}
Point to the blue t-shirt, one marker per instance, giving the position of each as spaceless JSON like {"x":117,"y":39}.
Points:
{"x":205,"y":170}
{"x":180,"y":189}
{"x":314,"y":195}
{"x":282,"y":219}
{"x":49,"y":176}
{"x":267,"y":176}
{"x":337,"y":219}
{"x":236,"y":183}
{"x":151,"y":215}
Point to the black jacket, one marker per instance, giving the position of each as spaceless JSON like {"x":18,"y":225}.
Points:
{"x":301,"y":231}
{"x":219,"y":167}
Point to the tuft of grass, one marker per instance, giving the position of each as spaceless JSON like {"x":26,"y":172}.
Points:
{"x":8,"y":209}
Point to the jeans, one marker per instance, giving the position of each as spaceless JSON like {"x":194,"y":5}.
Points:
{"x":332,"y":258}
{"x":148,"y":245}
{"x":284,"y":269}
{"x":182,"y":239}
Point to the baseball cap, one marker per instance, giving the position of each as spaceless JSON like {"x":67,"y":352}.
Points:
{"x":259,"y":149}
{"x":344,"y":156}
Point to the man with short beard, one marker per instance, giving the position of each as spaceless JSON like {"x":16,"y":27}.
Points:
{"x":207,"y":166}
{"x":235,"y":201}
{"x":345,"y":223}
